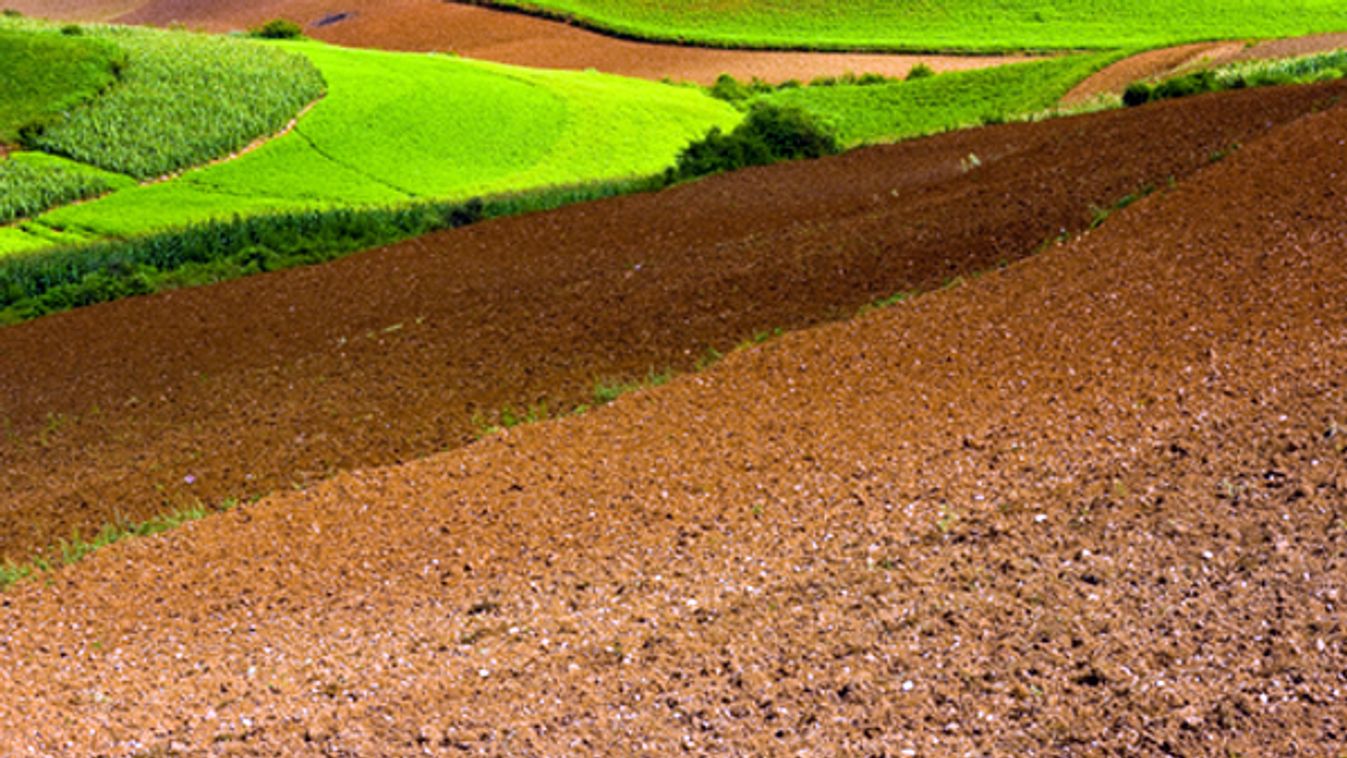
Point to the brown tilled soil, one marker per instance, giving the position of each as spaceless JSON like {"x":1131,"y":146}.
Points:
{"x":1095,"y":503}
{"x":476,"y":32}
{"x":123,"y":411}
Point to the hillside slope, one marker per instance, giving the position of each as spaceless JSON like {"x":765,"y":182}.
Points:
{"x":1092,"y":503}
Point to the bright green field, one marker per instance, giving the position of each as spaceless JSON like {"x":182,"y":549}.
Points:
{"x":399,"y":127}
{"x":42,"y":75}
{"x":981,"y":25}
{"x":887,"y":112}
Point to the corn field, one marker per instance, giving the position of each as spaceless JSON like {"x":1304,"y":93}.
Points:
{"x":26,"y":190}
{"x":182,"y":99}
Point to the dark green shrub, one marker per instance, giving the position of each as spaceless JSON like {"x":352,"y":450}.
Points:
{"x":72,"y":30}
{"x":1137,"y":93}
{"x":870,"y":80}
{"x":920,"y":71}
{"x":11,"y":13}
{"x":729,"y":89}
{"x":1186,"y":86}
{"x":277,"y":29}
{"x":769,"y":134}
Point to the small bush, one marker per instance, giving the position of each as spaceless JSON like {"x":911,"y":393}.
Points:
{"x":1186,"y":86}
{"x":920,"y":71}
{"x":11,"y":13}
{"x":72,"y":30}
{"x":769,"y":134}
{"x":278,"y":28}
{"x":1137,"y":93}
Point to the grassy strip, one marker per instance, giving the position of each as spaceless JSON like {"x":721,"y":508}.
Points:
{"x":953,"y":25}
{"x":1301,"y":70}
{"x":926,"y":105}
{"x":48,"y":281}
{"x":33,"y":182}
{"x":182,"y":99}
{"x":46,"y":74}
{"x":75,"y":549}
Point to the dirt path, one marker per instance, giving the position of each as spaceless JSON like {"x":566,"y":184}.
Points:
{"x":512,"y":38}
{"x":1095,"y":503}
{"x":133,"y":408}
{"x":1156,"y":64}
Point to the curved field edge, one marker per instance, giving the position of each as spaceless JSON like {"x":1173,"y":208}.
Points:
{"x":399,"y":128}
{"x":180,"y":99}
{"x":962,"y":26}
{"x":906,"y":109}
{"x":46,"y":75}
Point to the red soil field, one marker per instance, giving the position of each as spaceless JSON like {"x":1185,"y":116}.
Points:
{"x":422,"y":25}
{"x":1093,"y":503}
{"x":134,"y":408}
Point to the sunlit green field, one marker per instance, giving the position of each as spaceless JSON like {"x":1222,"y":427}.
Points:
{"x":397,"y":127}
{"x":974,"y":25}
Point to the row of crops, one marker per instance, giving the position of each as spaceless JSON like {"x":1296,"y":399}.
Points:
{"x":180,"y":100}
{"x":32,"y":182}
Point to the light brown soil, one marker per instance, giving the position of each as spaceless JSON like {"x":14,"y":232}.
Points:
{"x":130,"y":409}
{"x":1113,"y":79}
{"x":476,"y":32}
{"x":1157,"y":64}
{"x":1095,"y":503}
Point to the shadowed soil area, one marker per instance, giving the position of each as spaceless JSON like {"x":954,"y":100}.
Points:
{"x":423,"y":25}
{"x":1094,"y":503}
{"x":129,"y":409}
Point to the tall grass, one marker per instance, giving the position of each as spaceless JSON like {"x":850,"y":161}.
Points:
{"x":1246,"y":74}
{"x":29,"y":187}
{"x":182,"y":99}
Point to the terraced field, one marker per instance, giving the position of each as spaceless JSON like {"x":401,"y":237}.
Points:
{"x":966,"y":25}
{"x":395,"y":128}
{"x":1020,"y":439}
{"x":1039,"y":511}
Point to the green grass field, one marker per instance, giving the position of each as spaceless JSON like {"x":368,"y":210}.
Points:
{"x":43,"y":75}
{"x":398,"y":128}
{"x":899,"y":110}
{"x":968,"y":25}
{"x":33,"y":182}
{"x":180,"y":99}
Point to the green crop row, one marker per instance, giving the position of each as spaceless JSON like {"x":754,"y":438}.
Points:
{"x":1258,"y":73}
{"x":182,"y":99}
{"x":955,"y":25}
{"x":31,"y":183}
{"x":930,"y":104}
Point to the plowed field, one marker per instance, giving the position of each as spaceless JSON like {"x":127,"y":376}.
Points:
{"x":122,"y":411}
{"x":1094,"y":503}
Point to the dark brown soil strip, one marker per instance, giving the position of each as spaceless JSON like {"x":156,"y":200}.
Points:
{"x":130,"y":409}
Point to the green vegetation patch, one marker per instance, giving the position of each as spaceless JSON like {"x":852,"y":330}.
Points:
{"x":33,"y":182}
{"x":926,"y":105}
{"x":44,"y":74}
{"x":967,"y":25}
{"x":398,"y":129}
{"x":182,"y":100}
{"x":1262,"y":73}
